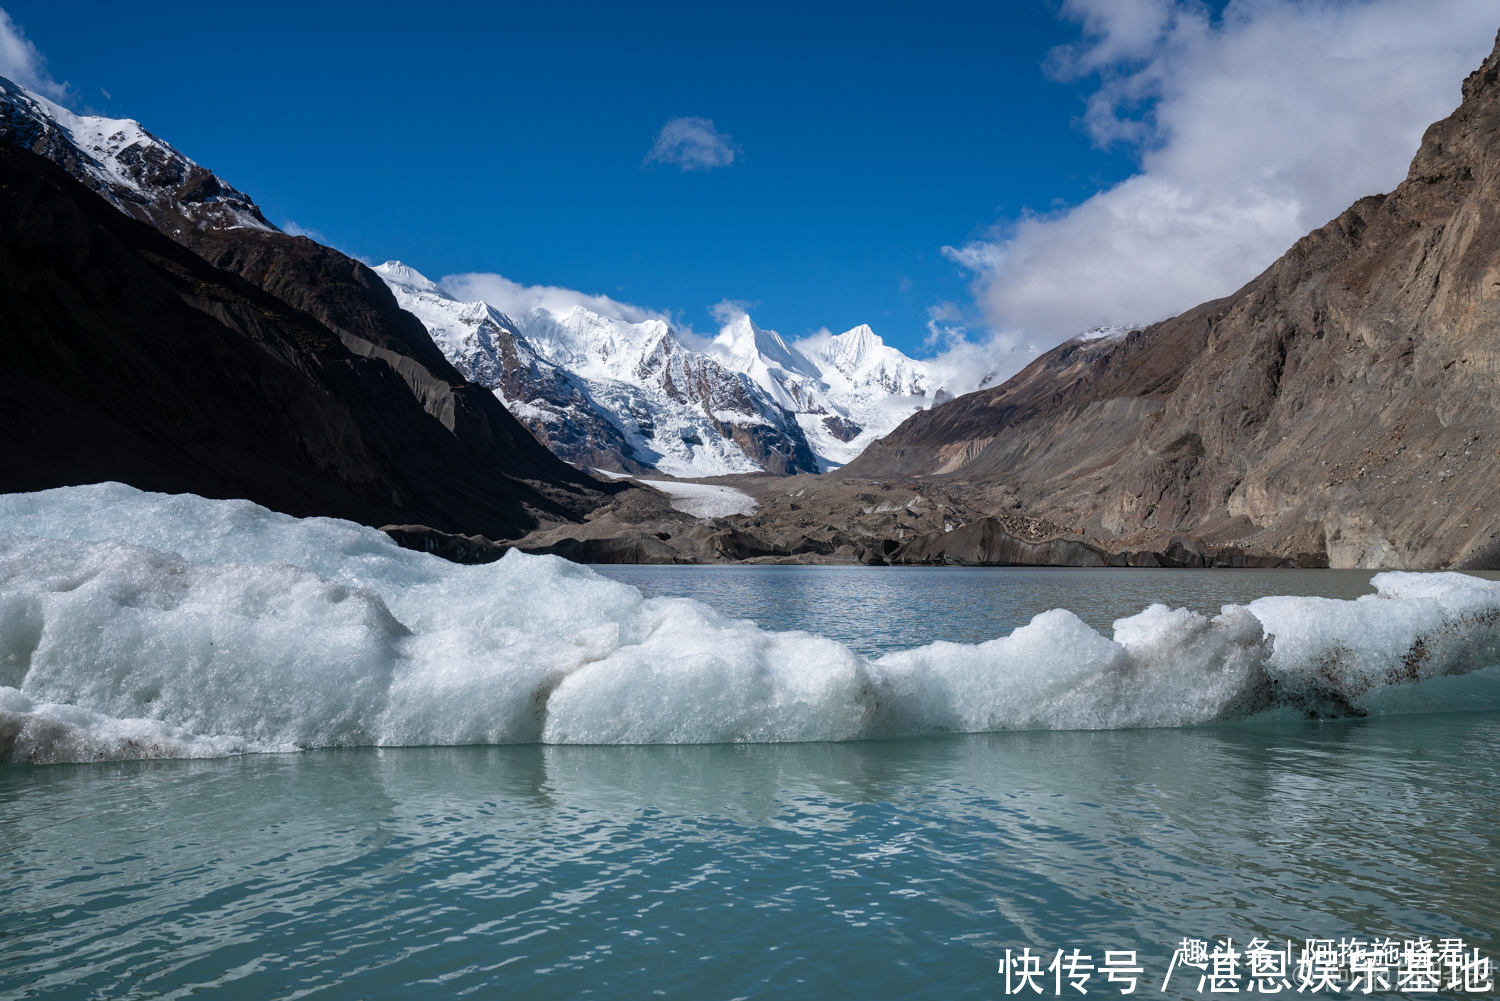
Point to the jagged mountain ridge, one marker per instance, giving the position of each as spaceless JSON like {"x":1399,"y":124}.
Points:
{"x":607,"y":393}
{"x":141,"y":175}
{"x":1342,"y":408}
{"x":847,"y":389}
{"x":628,"y":396}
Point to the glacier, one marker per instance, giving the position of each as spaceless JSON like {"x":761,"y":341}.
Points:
{"x":630,"y":393}
{"x":148,"y":625}
{"x":704,"y":500}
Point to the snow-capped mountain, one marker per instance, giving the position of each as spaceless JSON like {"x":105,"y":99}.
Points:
{"x":627,"y":395}
{"x":129,"y":167}
{"x":606,"y":392}
{"x":846,"y":389}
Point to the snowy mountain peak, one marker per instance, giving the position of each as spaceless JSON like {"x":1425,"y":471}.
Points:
{"x":861,"y":361}
{"x":139,"y":174}
{"x":395,"y":273}
{"x":746,"y":345}
{"x":589,"y":343}
{"x":854,"y":349}
{"x":607,"y":392}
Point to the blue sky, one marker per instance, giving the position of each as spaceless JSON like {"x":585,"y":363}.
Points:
{"x":511,"y":138}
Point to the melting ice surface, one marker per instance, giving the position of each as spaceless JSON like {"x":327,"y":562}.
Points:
{"x":147,"y":625}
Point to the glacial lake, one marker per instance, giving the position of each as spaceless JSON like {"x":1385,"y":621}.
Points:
{"x":874,"y":869}
{"x":877,"y":610}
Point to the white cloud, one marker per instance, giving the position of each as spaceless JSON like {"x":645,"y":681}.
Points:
{"x":945,"y":325}
{"x":726,"y":311}
{"x":291,"y":228}
{"x":22,"y":63}
{"x":965,"y":365}
{"x":692,"y":144}
{"x":515,"y":299}
{"x":1251,"y":131}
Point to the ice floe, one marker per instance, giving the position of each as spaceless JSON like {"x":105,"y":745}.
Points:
{"x":146,"y":625}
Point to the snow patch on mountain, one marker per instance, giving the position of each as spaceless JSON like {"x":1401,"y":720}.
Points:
{"x":139,"y":174}
{"x":704,"y":500}
{"x":1113,"y":332}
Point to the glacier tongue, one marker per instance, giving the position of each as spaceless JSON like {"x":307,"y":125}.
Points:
{"x":703,"y":500}
{"x":626,"y":393}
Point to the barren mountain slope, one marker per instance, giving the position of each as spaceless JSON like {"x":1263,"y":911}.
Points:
{"x":1352,"y":399}
{"x":1141,"y":365}
{"x":1346,"y":403}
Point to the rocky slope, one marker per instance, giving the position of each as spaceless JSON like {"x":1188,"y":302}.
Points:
{"x":1344,"y":407}
{"x":826,"y":519}
{"x":628,"y":396}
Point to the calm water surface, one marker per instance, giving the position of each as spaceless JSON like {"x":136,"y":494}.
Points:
{"x":889,"y":869}
{"x":879,"y":609}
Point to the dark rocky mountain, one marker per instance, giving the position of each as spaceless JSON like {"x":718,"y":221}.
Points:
{"x":351,"y":301}
{"x":129,"y":357}
{"x":1344,"y":407}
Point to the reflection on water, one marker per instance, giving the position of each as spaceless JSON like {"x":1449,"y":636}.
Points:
{"x":895,"y":869}
{"x":877,"y":610}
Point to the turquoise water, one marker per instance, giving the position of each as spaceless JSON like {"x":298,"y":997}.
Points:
{"x":876,"y":869}
{"x":876,"y":610}
{"x":899,"y":869}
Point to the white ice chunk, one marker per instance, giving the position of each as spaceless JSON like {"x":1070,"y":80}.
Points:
{"x":140,"y":625}
{"x":32,"y":734}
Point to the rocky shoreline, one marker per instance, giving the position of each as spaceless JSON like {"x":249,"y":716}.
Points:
{"x":823,"y":520}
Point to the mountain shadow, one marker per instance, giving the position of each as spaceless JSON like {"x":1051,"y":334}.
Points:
{"x":131,"y":358}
